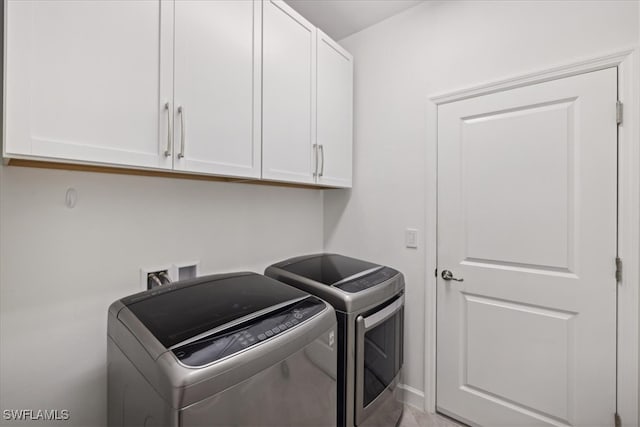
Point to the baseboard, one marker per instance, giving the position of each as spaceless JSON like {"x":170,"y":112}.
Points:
{"x":412,"y":396}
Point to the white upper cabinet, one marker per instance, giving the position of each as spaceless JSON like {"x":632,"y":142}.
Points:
{"x":83,"y":81}
{"x":217,"y":87}
{"x":334,"y":113}
{"x":246,"y":89}
{"x":307,"y":128}
{"x":288,"y":98}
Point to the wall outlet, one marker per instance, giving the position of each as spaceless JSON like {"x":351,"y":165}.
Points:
{"x":411,"y":238}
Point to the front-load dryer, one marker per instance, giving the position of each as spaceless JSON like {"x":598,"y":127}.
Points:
{"x":369,"y":302}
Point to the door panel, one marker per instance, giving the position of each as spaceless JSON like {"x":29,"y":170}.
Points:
{"x":217,"y":84}
{"x":497,"y":350}
{"x":503,"y":222}
{"x":527,"y":217}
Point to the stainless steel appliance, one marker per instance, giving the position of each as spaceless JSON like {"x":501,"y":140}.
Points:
{"x":369,"y":301}
{"x":226,"y":350}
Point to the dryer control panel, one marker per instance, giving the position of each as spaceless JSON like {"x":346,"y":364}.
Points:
{"x":223,"y":344}
{"x":368,"y":281}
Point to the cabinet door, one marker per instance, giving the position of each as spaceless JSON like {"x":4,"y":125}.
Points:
{"x":217,"y":87}
{"x":84,"y":81}
{"x":335,"y":113}
{"x":288,"y":115}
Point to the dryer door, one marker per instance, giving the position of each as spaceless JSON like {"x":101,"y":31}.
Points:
{"x":379,"y":358}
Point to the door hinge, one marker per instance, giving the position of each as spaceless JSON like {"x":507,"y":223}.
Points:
{"x":617,"y":421}
{"x":618,"y":270}
{"x":619,"y":111}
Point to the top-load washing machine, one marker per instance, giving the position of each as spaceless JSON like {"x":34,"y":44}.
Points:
{"x":369,"y":302}
{"x":226,"y":350}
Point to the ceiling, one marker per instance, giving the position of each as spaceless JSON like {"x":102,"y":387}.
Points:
{"x":341,"y":18}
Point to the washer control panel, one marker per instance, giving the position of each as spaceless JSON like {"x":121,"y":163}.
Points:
{"x":220,"y":345}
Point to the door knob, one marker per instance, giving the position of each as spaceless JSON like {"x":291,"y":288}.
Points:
{"x":447,"y":275}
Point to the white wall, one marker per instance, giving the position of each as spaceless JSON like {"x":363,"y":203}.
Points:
{"x":60,"y":268}
{"x":434,"y":48}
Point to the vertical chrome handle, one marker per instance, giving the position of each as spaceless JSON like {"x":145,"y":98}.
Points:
{"x":315,"y":155}
{"x":167,"y":152}
{"x":322,"y":166}
{"x":182,"y":131}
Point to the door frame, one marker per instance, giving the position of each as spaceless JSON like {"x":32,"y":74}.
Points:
{"x":628,"y":215}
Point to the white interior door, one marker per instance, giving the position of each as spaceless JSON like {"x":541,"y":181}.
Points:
{"x":217,"y":87}
{"x":527,"y":218}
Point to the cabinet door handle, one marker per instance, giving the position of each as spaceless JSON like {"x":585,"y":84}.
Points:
{"x":315,"y":152}
{"x":182,"y":131}
{"x":167,"y":152}
{"x":322,"y":165}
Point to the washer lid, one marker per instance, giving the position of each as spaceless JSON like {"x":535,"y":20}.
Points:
{"x":181,"y":311}
{"x":329,"y":269}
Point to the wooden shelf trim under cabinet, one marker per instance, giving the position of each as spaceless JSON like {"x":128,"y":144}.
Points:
{"x":143,"y":172}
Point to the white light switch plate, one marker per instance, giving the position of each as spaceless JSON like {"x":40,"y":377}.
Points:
{"x":411,"y":238}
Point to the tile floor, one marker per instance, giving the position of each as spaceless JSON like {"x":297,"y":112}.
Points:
{"x":414,"y":418}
